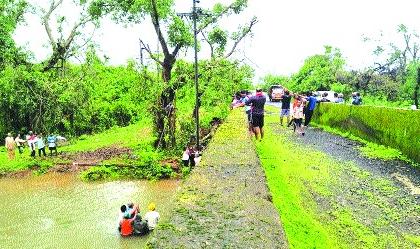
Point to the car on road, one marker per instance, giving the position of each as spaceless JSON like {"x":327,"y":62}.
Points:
{"x":275,"y":92}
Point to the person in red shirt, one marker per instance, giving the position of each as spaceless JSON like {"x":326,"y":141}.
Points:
{"x":126,"y":224}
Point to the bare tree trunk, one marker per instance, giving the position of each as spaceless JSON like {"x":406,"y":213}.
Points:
{"x":165,"y":118}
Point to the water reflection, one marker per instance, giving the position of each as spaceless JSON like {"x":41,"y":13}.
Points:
{"x":60,"y":211}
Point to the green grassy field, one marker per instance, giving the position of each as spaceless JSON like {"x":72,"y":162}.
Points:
{"x":326,"y":203}
{"x":137,"y":137}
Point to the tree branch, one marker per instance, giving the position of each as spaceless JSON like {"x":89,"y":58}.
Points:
{"x":46,"y":23}
{"x":245,"y":32}
{"x":155,"y":20}
{"x":211,"y":45}
{"x":149,"y":51}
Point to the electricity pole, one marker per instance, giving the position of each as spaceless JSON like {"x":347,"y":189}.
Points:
{"x":197,"y":120}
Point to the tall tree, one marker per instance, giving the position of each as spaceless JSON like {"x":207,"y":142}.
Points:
{"x":173,"y":34}
{"x":11,"y":14}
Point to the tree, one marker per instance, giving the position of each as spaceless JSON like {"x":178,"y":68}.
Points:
{"x":11,"y":14}
{"x":216,"y":37}
{"x":65,"y":46}
{"x":319,"y":72}
{"x":173,"y":34}
{"x":398,"y":61}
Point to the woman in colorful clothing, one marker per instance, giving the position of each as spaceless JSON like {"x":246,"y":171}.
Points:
{"x":298,"y":115}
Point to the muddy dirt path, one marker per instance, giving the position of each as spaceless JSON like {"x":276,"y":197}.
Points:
{"x":225,"y":202}
{"x":381,"y":197}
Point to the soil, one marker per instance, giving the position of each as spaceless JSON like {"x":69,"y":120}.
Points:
{"x":225,"y":202}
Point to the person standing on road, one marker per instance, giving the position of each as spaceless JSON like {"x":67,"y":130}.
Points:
{"x":357,"y":100}
{"x":257,"y":102}
{"x":10,"y":146}
{"x":298,"y":115}
{"x":244,"y":99}
{"x":310,"y":108}
{"x":285,"y":107}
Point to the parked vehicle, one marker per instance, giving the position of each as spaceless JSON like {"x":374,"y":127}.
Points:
{"x":275,"y":92}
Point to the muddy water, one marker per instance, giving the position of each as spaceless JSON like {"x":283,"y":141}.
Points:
{"x":60,"y":211}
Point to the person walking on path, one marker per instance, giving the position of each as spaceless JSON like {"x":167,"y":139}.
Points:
{"x":310,"y":108}
{"x":257,"y":102}
{"x":41,"y":145}
{"x":19,"y":143}
{"x":285,"y":107}
{"x":10,"y":146}
{"x":298,"y":116}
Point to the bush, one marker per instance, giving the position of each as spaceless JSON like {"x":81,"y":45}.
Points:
{"x":397,"y":128}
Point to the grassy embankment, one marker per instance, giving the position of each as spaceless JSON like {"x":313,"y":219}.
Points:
{"x":224,"y":203}
{"x":325,"y":203}
{"x":141,"y":161}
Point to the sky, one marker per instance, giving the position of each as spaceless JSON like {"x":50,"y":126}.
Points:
{"x":287,"y":32}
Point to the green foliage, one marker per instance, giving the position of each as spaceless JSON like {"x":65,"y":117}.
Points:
{"x":11,"y":14}
{"x":318,"y":71}
{"x":271,"y":79}
{"x":219,"y":80}
{"x":388,"y":126}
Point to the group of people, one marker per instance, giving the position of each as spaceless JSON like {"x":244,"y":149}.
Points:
{"x":254,"y":108}
{"x":297,"y":112}
{"x":190,"y":157}
{"x":34,"y":141}
{"x":130,"y":221}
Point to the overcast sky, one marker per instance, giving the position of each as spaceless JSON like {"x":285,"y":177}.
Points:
{"x":287,"y":31}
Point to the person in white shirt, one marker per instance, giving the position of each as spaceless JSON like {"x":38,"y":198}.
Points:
{"x":152,"y":217}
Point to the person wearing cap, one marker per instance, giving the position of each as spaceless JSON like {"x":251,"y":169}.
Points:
{"x":152,"y":217}
{"x":10,"y":146}
{"x":257,"y":103}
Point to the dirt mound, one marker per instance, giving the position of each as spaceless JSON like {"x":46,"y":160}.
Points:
{"x":81,"y":160}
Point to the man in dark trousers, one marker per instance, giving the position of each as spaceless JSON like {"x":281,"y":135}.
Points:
{"x":310,"y":107}
{"x":257,"y":103}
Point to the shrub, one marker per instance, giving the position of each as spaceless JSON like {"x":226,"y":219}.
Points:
{"x":397,"y":128}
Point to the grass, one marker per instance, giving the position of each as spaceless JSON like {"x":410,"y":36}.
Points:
{"x":138,"y":137}
{"x":130,"y":136}
{"x":305,"y":185}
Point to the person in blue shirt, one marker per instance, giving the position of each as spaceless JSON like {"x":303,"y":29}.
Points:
{"x":52,"y":144}
{"x":40,"y":144}
{"x":310,"y":107}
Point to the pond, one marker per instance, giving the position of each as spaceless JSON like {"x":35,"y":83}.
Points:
{"x":60,"y":211}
